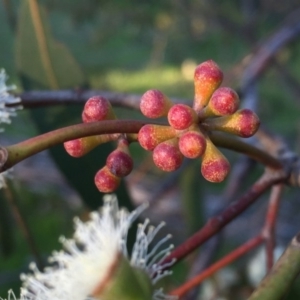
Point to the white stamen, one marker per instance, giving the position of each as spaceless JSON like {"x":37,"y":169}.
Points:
{"x":7,"y":98}
{"x":90,"y":254}
{"x":6,"y":113}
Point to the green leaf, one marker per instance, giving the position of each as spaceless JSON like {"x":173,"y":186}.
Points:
{"x":39,"y":56}
{"x":6,"y":53}
{"x":190,"y":184}
{"x":6,"y":226}
{"x":44,"y":63}
{"x":79,"y":172}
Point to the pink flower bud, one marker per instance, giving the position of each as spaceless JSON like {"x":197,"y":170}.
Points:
{"x":207,"y":78}
{"x":215,"y":166}
{"x":154,"y":104}
{"x":97,"y":108}
{"x":243,"y":123}
{"x":105,"y":181}
{"x":151,"y":135}
{"x":167,"y":156}
{"x":181,"y":116}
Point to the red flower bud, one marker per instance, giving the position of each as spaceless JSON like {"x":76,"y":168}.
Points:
{"x":207,"y":78}
{"x":181,"y":116}
{"x":243,"y":123}
{"x":97,"y":108}
{"x":154,"y":104}
{"x":82,"y":146}
{"x":192,"y":144}
{"x":119,"y":162}
{"x":105,"y":181}
{"x":167,"y":156}
{"x":215,"y":166}
{"x":224,"y":101}
{"x":151,"y":135}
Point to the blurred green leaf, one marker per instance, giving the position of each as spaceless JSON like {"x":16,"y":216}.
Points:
{"x":190,"y":184}
{"x":6,"y":227}
{"x":6,"y":53}
{"x":44,"y":63}
{"x":79,"y":172}
{"x":39,"y":56}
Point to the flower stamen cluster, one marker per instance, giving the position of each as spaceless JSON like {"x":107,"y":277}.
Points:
{"x":97,"y":256}
{"x":6,"y":98}
{"x":6,"y":113}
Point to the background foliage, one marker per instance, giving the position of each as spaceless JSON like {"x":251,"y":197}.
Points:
{"x":130,"y":46}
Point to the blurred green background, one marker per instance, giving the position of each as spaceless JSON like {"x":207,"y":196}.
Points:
{"x":130,"y":46}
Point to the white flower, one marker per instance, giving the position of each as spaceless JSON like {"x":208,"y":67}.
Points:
{"x":6,"y":113}
{"x":7,"y":98}
{"x":90,"y":256}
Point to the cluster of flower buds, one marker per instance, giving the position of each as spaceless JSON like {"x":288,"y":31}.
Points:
{"x":187,"y":135}
{"x":214,"y":108}
{"x":119,"y":163}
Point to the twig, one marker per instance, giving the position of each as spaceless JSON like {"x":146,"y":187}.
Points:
{"x":226,"y":260}
{"x":205,"y":257}
{"x":289,"y":80}
{"x":201,"y":263}
{"x":263,"y":56}
{"x":13,"y":154}
{"x":34,"y":99}
{"x":275,"y":285}
{"x":232,"y":143}
{"x":253,"y":68}
{"x":216,"y":223}
{"x":266,"y":235}
{"x":268,"y":231}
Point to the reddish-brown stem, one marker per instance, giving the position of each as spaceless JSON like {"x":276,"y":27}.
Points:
{"x":267,"y":235}
{"x":33,"y":99}
{"x":229,"y":142}
{"x":15,"y":153}
{"x":226,"y":260}
{"x":216,"y":223}
{"x":268,"y":231}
